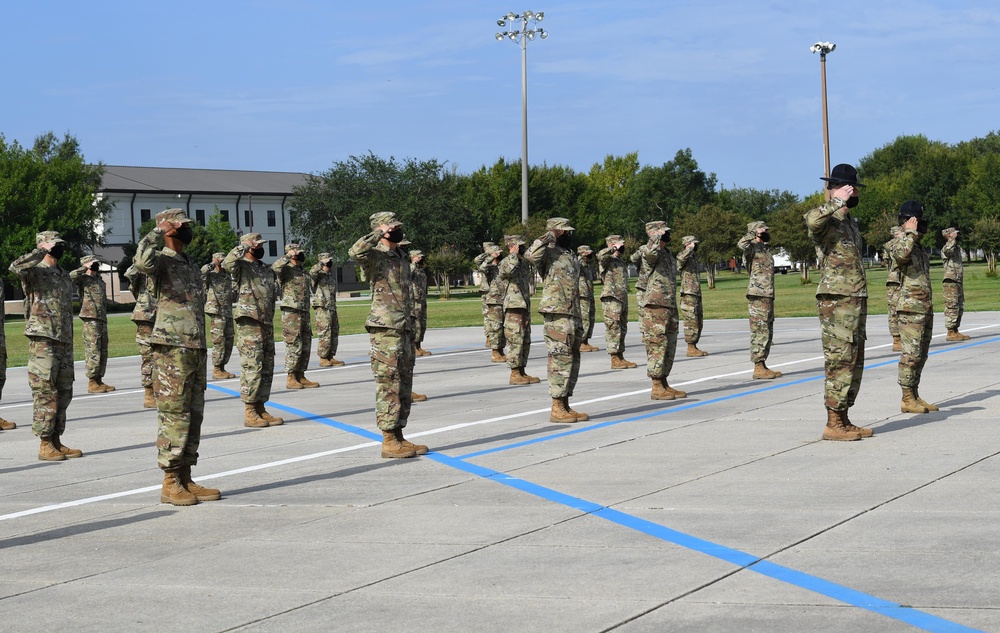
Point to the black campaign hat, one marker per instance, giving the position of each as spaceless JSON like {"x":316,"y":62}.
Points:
{"x":911,"y":209}
{"x":844,"y":174}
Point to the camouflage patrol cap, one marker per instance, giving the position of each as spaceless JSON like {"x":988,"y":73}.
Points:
{"x":251,"y":238}
{"x":753,"y":226}
{"x":583,"y":249}
{"x":87,"y":260}
{"x":512,"y":240}
{"x":291,"y":246}
{"x":493,"y":249}
{"x":218,"y":255}
{"x":558,"y":223}
{"x":689,"y":239}
{"x":487,"y":246}
{"x":324,"y":257}
{"x":49,"y":236}
{"x":384,"y":217}
{"x":613,"y":239}
{"x":949,"y":231}
{"x":415,"y":253}
{"x":173,"y":215}
{"x":404,"y":241}
{"x":656,"y":225}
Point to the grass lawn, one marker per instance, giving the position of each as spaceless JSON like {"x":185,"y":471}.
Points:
{"x":726,"y":301}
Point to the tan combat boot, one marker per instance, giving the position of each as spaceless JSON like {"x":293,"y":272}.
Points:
{"x":835,"y":429}
{"x":694,"y":352}
{"x":517,"y":377}
{"x":956,"y":336}
{"x":498,"y":357}
{"x":582,"y":417}
{"x":7,"y":425}
{"x":267,"y":417}
{"x":560,"y":413}
{"x":252,"y":419}
{"x":422,"y":352}
{"x":658,"y":392}
{"x":391,"y":448}
{"x":95,"y":386}
{"x":330,"y":362}
{"x":48,"y":452}
{"x":200,"y":492}
{"x":761,"y":372}
{"x":173,"y":491}
{"x":677,"y":393}
{"x":618,"y":362}
{"x":419,"y":449}
{"x":587,"y":347}
{"x":897,"y":344}
{"x":148,"y":399}
{"x":305,"y":382}
{"x":70,"y":453}
{"x":107,"y":388}
{"x":220,"y":373}
{"x":863,"y":431}
{"x":532,"y":379}
{"x":293,"y":382}
{"x":926,"y":405}
{"x":417,"y":397}
{"x":910,"y":404}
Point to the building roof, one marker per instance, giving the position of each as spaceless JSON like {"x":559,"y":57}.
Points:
{"x":201,"y":181}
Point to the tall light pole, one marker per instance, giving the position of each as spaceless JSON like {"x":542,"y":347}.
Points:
{"x":522,"y":36}
{"x":823,"y":48}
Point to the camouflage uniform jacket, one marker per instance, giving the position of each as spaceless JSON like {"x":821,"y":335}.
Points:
{"x":952,"y":256}
{"x":418,"y":284}
{"x":838,"y":241}
{"x":892,"y":269}
{"x":914,"y":273}
{"x":515,"y":272}
{"x":175,"y":282}
{"x":48,"y":297}
{"x":145,"y":307}
{"x":586,"y":280}
{"x":219,"y":291}
{"x":293,"y":284}
{"x":636,"y":259}
{"x":256,"y":285}
{"x":498,"y":287}
{"x":324,"y":287}
{"x":614,"y":274}
{"x":388,"y":273}
{"x":759,"y":264}
{"x":560,"y":269}
{"x":92,"y":290}
{"x":660,"y":268}
{"x":487,"y":268}
{"x":687,"y":265}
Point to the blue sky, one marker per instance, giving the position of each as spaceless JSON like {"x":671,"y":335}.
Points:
{"x":294,"y":85}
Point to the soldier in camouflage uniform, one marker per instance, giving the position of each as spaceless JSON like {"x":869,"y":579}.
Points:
{"x":691,"y":308}
{"x":390,"y":330}
{"x":759,"y":263}
{"x":5,"y":425}
{"x":418,"y":282}
{"x":493,"y":301}
{"x":614,"y":298}
{"x":588,"y":309}
{"x":954,"y":291}
{"x":294,"y":287}
{"x":94,"y":314}
{"x":48,"y":313}
{"x":892,"y":282}
{"x":658,"y":320}
{"x":180,"y":354}
{"x":143,"y":315}
{"x":560,"y":310}
{"x":219,"y":293}
{"x":915,"y":308}
{"x":324,"y":302}
{"x":486,"y":264}
{"x":514,"y":282}
{"x":841,"y":300}
{"x":256,"y":290}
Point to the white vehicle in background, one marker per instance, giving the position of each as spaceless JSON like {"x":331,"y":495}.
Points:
{"x":782,"y":263}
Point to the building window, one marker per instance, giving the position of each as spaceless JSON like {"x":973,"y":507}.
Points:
{"x":271,"y":219}
{"x":225,"y":214}
{"x":272,"y":248}
{"x":199,"y":216}
{"x":144,"y":215}
{"x":248,"y":218}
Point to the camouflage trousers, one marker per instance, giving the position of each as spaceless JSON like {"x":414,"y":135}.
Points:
{"x":296,"y":329}
{"x":588,"y":310}
{"x":563,"y":335}
{"x":615,"y":324}
{"x":50,"y":376}
{"x":954,"y":304}
{"x":327,"y":332}
{"x":255,"y":342}
{"x":694,"y":318}
{"x":419,"y":323}
{"x":842,"y":321}
{"x":3,"y":359}
{"x":659,"y":325}
{"x":517,"y":332}
{"x":915,"y":335}
{"x":143,"y":330}
{"x":486,"y":309}
{"x":761,"y":311}
{"x":180,"y":404}
{"x":223,"y":334}
{"x":494,"y":327}
{"x":891,"y":301}
{"x":95,"y":347}
{"x":392,"y":365}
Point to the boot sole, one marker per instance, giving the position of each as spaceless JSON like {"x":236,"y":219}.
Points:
{"x":399,"y":455}
{"x":180,"y":502}
{"x":666,"y":397}
{"x":201,"y":498}
{"x":564,"y":420}
{"x":60,"y":458}
{"x":852,"y":438}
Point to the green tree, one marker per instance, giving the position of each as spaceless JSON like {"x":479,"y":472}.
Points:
{"x":718,"y":231}
{"x":986,"y":235}
{"x":758,"y":204}
{"x":788,"y":231}
{"x":447,"y":262}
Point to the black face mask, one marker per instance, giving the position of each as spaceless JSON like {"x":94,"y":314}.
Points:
{"x":95,"y":267}
{"x":521,"y":250}
{"x":695,"y":249}
{"x":852,"y":202}
{"x":299,"y":257}
{"x":765,"y":237}
{"x":57,"y":251}
{"x":395,"y":235}
{"x":921,"y":226}
{"x":620,"y":249}
{"x":184,"y":234}
{"x":665,"y":238}
{"x":564,"y":240}
{"x":257,"y":252}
